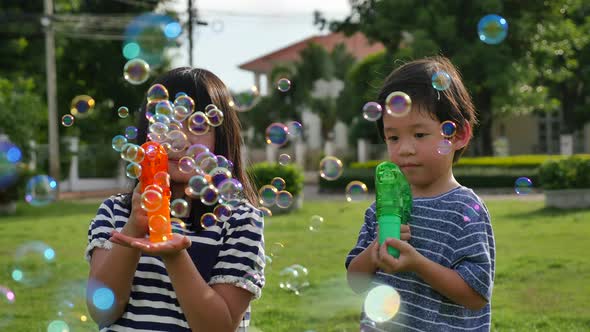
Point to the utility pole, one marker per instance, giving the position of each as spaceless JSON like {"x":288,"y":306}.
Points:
{"x":46,"y":21}
{"x":190,"y":32}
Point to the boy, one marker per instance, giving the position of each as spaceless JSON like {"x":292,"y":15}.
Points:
{"x":445,"y":270}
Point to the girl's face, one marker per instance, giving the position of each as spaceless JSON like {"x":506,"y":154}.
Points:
{"x":207,"y":140}
{"x":413,"y":143}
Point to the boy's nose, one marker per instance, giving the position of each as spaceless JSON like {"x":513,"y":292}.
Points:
{"x":406,"y":148}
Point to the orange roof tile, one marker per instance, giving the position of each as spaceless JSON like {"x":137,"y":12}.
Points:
{"x":357,"y":45}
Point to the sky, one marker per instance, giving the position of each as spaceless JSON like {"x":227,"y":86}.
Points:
{"x":242,"y":30}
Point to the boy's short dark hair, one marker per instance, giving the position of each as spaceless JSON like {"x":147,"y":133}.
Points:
{"x":415,"y":79}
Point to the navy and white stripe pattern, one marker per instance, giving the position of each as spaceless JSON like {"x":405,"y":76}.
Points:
{"x":231,"y":252}
{"x":453,"y":230}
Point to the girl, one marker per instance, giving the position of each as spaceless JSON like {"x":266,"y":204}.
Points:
{"x":201,"y":281}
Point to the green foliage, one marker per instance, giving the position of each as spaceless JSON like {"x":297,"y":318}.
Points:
{"x":22,"y":112}
{"x":263,"y":173}
{"x":543,"y":65}
{"x":570,"y":173}
{"x":315,"y":63}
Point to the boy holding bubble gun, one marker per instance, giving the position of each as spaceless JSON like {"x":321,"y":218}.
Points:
{"x":154,"y":177}
{"x":444,"y":271}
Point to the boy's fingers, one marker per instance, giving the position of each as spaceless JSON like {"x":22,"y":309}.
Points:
{"x":405,"y":228}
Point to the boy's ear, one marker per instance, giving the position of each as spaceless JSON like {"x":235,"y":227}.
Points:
{"x":462,"y":137}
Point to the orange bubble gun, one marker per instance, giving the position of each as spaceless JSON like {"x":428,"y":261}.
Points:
{"x":154,"y":173}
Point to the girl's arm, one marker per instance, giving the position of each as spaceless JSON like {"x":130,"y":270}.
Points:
{"x":207,"y":308}
{"x":114,"y":269}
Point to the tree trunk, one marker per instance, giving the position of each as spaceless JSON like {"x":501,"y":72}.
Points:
{"x":485,"y":122}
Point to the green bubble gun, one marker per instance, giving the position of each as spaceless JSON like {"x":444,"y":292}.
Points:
{"x":394,"y":202}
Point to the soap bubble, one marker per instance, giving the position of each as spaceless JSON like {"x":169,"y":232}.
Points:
{"x":278,"y":183}
{"x":209,"y":195}
{"x":222,"y":211}
{"x":398,"y":104}
{"x":523,"y":186}
{"x":294,"y":129}
{"x":132,"y":153}
{"x":177,"y":140}
{"x":133,"y":170}
{"x":441,"y":80}
{"x":7,"y":299}
{"x":157,"y":92}
{"x":445,"y":146}
{"x":196,"y":184}
{"x":230,"y":189}
{"x":180,"y":113}
{"x":179,"y":208}
{"x":41,"y":190}
{"x":471,"y":212}
{"x":294,"y":278}
{"x":268,"y":195}
{"x":372,"y":111}
{"x":33,"y":264}
{"x":67,"y":120}
{"x":103,"y":298}
{"x":448,"y":129}
{"x":284,"y":199}
{"x":151,"y":200}
{"x":315,"y":223}
{"x":131,"y":132}
{"x":136,"y":71}
{"x":356,"y":191}
{"x":246,"y":101}
{"x":58,"y":326}
{"x":215,"y":117}
{"x":283,"y":84}
{"x":266,"y":212}
{"x":284,"y":159}
{"x":382,"y":303}
{"x":123,"y":112}
{"x":196,"y":149}
{"x":492,"y":29}
{"x":186,"y":165}
{"x":162,"y":179}
{"x":185,"y":101}
{"x":208,"y":220}
{"x":331,"y":168}
{"x":277,"y":134}
{"x":164,"y":107}
{"x":118,"y":142}
{"x":82,"y":105}
{"x":198,"y":124}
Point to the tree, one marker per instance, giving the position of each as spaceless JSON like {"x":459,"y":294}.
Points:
{"x":449,"y":28}
{"x":315,"y":63}
{"x":89,"y":60}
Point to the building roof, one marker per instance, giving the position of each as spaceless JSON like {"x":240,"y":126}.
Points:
{"x":357,"y":45}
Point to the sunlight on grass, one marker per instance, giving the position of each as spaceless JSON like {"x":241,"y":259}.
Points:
{"x":541,"y":268}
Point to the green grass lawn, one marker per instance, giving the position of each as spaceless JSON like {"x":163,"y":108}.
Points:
{"x":542,"y":268}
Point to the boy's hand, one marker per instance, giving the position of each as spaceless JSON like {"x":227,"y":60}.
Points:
{"x":408,"y":260}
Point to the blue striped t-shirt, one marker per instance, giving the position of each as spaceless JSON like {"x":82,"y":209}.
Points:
{"x":453,"y":230}
{"x":230,"y":252}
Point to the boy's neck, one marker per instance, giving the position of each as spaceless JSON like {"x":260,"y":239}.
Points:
{"x":442,"y":185}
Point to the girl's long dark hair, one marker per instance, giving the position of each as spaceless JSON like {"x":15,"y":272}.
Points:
{"x":205,"y":88}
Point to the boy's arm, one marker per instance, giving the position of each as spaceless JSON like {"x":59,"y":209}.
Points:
{"x":360,"y":271}
{"x":449,"y":283}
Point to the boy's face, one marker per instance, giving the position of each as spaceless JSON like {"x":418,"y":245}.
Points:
{"x":412,"y":143}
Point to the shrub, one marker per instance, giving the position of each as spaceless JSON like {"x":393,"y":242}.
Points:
{"x":570,"y":173}
{"x":262,"y":174}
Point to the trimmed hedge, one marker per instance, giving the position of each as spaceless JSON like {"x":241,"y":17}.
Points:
{"x":262,"y":174}
{"x":520,"y":161}
{"x":490,"y":172}
{"x":570,"y":173}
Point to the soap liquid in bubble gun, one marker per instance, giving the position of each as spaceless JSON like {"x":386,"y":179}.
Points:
{"x":154,"y":171}
{"x":393,"y":204}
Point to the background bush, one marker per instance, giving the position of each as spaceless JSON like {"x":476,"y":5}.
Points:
{"x":263,"y":173}
{"x":570,"y":173}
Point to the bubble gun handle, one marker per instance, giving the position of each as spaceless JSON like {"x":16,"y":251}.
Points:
{"x":393,"y":203}
{"x":154,"y":163}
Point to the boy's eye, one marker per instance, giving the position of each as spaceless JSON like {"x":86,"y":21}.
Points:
{"x":420,"y":135}
{"x":392,"y":138}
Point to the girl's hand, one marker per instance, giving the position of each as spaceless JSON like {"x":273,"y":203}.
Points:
{"x":137,"y":224}
{"x":171,"y":247}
